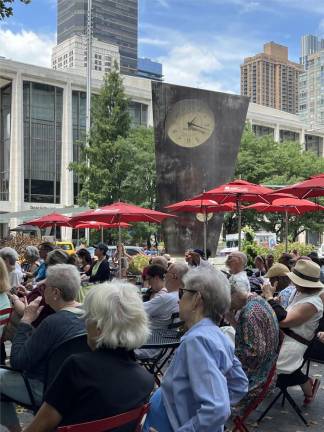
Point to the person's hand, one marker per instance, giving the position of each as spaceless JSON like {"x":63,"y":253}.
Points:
{"x":32,"y":310}
{"x":21,"y":290}
{"x":320,"y":336}
{"x":268,"y":290}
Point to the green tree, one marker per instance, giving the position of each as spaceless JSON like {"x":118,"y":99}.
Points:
{"x":101,"y":158}
{"x":6,"y":9}
{"x":262,"y":160}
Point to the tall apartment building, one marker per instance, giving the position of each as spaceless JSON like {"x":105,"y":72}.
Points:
{"x":114,"y":22}
{"x":311,"y":90}
{"x":270,"y":79}
{"x":309,"y":44}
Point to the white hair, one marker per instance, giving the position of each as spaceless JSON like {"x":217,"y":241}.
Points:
{"x":118,"y":311}
{"x":10,"y":254}
{"x":32,"y":252}
{"x":66,"y":278}
{"x":214,"y":288}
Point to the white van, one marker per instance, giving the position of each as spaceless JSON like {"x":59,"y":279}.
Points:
{"x":264,"y":238}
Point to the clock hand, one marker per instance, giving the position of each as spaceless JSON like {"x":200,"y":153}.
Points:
{"x":197,"y":126}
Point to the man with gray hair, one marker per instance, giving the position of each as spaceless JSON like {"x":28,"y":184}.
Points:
{"x":236,"y":262}
{"x":31,"y":347}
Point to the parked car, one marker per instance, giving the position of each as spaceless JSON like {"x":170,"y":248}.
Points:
{"x":66,"y":246}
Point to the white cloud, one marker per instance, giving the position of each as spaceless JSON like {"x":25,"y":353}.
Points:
{"x":152,"y":42}
{"x":203,"y":60}
{"x":27,"y":46}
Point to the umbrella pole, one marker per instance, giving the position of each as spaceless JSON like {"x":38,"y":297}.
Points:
{"x":119,"y":252}
{"x":78,"y":237}
{"x":55,"y":231}
{"x":102,"y":235}
{"x":205,"y":234}
{"x":239,"y":223}
{"x":286,"y":230}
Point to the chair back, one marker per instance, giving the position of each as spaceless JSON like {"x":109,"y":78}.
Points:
{"x":74,"y":345}
{"x":109,"y":423}
{"x":3,"y":312}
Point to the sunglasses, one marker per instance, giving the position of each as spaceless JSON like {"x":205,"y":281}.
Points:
{"x":182,"y":291}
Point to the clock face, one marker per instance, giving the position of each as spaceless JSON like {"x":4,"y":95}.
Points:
{"x":190,"y":123}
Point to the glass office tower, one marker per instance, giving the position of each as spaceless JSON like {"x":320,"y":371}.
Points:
{"x":114,"y":22}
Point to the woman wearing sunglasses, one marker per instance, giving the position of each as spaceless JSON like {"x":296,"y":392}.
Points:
{"x":204,"y":378}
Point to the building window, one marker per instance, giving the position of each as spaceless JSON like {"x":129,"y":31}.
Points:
{"x":42,"y":115}
{"x":138,"y":113}
{"x":79,"y":125}
{"x":5,"y":123}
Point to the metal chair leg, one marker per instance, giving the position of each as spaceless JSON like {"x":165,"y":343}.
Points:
{"x":269,"y":407}
{"x":296,"y":408}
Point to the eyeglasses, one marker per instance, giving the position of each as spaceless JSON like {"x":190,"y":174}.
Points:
{"x":182,"y":290}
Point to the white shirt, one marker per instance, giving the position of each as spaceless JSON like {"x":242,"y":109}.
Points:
{"x":161,"y":307}
{"x":240,"y":279}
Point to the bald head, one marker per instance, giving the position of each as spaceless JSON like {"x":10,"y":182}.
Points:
{"x":174,"y":275}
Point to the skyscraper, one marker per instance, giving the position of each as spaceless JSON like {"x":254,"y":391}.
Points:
{"x":114,"y":22}
{"x":270,"y":79}
{"x":309,"y":44}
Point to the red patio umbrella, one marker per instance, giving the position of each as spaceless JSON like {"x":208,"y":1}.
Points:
{"x":50,"y":220}
{"x":238,"y":191}
{"x":288,"y":205}
{"x":203,"y":206}
{"x":313,"y":187}
{"x":121,"y":212}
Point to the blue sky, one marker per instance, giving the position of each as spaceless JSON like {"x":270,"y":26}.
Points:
{"x":200,"y":42}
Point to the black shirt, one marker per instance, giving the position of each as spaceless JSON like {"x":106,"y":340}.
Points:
{"x":102,"y":274}
{"x":99,"y":384}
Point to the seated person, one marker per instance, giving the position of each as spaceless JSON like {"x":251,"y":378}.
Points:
{"x":31,"y":263}
{"x":84,"y":260}
{"x":106,"y":381}
{"x":236,"y":262}
{"x":278,"y":277}
{"x":99,"y":270}
{"x":287,"y":259}
{"x":196,"y":258}
{"x":31,"y":348}
{"x":154,"y":276}
{"x":256,"y":337}
{"x":44,"y":250}
{"x":204,"y":377}
{"x":10,"y":258}
{"x":299,"y":323}
{"x":260,"y":266}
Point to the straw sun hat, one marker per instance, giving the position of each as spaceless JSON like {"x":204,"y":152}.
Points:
{"x":306,"y":274}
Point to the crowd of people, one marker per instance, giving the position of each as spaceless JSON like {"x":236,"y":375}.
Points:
{"x":236,"y":325}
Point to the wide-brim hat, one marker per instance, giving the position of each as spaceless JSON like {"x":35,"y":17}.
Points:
{"x":306,"y":274}
{"x":277,"y":270}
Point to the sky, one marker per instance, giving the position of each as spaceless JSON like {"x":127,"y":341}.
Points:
{"x":201,"y":43}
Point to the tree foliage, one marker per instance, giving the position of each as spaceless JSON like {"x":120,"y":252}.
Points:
{"x":119,"y":162}
{"x":6,"y":9}
{"x":261,"y":160}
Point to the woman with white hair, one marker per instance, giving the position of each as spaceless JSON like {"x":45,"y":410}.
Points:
{"x":107,"y":380}
{"x":204,"y":377}
{"x":31,"y":263}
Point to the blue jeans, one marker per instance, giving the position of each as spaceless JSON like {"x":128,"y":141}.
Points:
{"x":12,"y":385}
{"x":157,"y":416}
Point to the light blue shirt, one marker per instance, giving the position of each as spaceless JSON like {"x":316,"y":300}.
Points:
{"x":203,"y":380}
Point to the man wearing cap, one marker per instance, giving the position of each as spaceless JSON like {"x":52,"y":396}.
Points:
{"x":236,"y":262}
{"x":279,"y":280}
{"x":299,"y":323}
{"x":99,"y":271}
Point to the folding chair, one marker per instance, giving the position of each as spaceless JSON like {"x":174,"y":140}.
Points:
{"x":109,"y":423}
{"x":239,"y":421}
{"x":70,"y":346}
{"x":166,"y":341}
{"x":285,"y":395}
